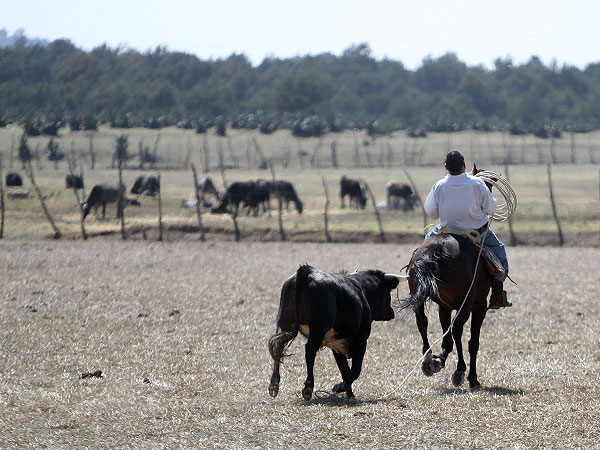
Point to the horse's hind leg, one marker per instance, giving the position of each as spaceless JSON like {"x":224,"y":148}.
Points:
{"x":476,"y":321}
{"x":457,"y":329}
{"x":445,"y":316}
{"x":428,"y":366}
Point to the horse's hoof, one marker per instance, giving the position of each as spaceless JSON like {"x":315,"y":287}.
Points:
{"x":427,"y":368}
{"x":427,"y":365}
{"x":438,"y":364}
{"x":307,"y":393}
{"x":274,"y":390}
{"x":458,"y":377}
{"x":339,"y":388}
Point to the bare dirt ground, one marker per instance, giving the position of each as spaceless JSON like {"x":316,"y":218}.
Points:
{"x":179,"y":331}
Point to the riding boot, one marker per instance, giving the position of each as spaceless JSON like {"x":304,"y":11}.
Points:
{"x":498,"y":296}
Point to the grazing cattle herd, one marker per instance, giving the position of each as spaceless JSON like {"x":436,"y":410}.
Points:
{"x":253,"y":195}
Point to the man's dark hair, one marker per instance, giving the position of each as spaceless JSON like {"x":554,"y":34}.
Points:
{"x":454,"y":162}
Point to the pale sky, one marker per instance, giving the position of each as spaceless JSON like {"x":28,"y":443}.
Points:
{"x":477,"y":31}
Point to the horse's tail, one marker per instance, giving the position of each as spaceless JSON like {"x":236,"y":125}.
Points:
{"x":425,"y":271}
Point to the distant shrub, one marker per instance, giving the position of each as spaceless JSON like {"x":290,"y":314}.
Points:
{"x":121,"y":121}
{"x":75,"y":123}
{"x":517,"y":129}
{"x":24,"y":150}
{"x":311,"y":126}
{"x":221,"y":126}
{"x":541,"y":132}
{"x":416,"y":133}
{"x":32,"y":126}
{"x":185,"y":124}
{"x":52,"y":151}
{"x":89,"y":123}
{"x":51,"y":128}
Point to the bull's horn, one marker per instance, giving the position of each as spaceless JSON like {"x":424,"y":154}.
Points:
{"x":399,"y":277}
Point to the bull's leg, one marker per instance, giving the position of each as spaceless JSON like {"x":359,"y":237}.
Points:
{"x":345,"y":385}
{"x":360,"y":347}
{"x":476,"y":321}
{"x":313,"y":344}
{"x":343,"y":206}
{"x":457,"y":329}
{"x":103,"y":210}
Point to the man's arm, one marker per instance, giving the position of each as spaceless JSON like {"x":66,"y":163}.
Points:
{"x":431,"y":206}
{"x":489,"y":203}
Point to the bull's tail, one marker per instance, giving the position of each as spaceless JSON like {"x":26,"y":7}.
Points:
{"x":279,"y":342}
{"x":425,"y":272}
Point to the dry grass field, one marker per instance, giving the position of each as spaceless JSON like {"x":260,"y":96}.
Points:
{"x":179,"y":331}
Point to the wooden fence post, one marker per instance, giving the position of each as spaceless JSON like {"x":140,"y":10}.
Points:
{"x":513,"y":239}
{"x":198,"y":210}
{"x":79,"y":202}
{"x":325,"y":214}
{"x":92,"y":154}
{"x":414,"y":188}
{"x":233,"y":212}
{"x":160,"y":224}
{"x":279,"y":203}
{"x":38,"y":192}
{"x":12,"y":149}
{"x":121,"y":201}
{"x":234,"y":158}
{"x":355,"y":149}
{"x":381,"y":235}
{"x":206,"y":165}
{"x":334,"y":160}
{"x":554,"y":213}
{"x":1,"y":200}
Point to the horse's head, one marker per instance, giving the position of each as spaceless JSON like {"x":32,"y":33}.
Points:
{"x":475,"y":171}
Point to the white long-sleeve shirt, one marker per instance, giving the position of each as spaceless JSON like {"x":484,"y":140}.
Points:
{"x":460,"y":201}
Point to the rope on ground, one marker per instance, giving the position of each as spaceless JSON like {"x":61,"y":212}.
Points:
{"x":506,"y":210}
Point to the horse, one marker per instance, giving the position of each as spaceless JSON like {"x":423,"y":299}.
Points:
{"x":449,"y":270}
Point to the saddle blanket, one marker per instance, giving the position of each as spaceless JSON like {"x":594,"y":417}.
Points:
{"x":493,"y":264}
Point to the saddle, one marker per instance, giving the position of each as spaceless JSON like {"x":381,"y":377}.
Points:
{"x":493,"y":264}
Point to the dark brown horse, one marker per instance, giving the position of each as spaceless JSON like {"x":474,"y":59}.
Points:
{"x":445,"y":269}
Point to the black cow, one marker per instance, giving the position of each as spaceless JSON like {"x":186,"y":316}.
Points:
{"x":102,"y":194}
{"x":331,"y":310}
{"x":286,"y":192}
{"x":73,"y":182}
{"x":236,"y":193}
{"x":399,"y":195}
{"x":355,"y":190}
{"x":14,"y":179}
{"x":259,"y":196}
{"x":146,"y":184}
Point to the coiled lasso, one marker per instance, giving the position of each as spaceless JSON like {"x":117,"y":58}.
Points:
{"x":505,"y":210}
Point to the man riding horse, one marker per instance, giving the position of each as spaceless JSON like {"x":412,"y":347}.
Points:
{"x":464,"y":202}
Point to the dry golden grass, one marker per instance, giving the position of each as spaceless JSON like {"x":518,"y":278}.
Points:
{"x":179,"y":330}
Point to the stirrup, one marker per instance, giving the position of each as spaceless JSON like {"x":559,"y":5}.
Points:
{"x":501,"y":302}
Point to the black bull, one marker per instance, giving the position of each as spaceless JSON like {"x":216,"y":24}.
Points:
{"x":331,"y":310}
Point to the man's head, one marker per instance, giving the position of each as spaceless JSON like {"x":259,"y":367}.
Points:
{"x":455,"y":163}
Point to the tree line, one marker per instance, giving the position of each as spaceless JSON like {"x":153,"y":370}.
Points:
{"x":48,"y":86}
